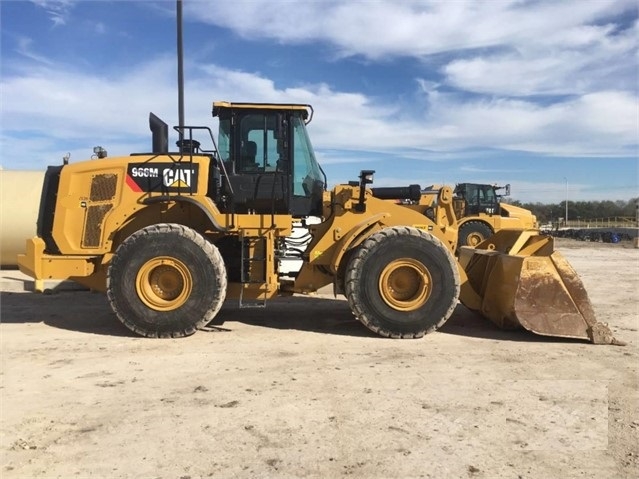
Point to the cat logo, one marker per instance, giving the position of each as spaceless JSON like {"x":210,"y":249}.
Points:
{"x":166,"y":177}
{"x":177,"y":178}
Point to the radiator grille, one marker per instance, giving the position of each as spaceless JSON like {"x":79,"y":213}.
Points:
{"x":93,"y":224}
{"x":103,"y":187}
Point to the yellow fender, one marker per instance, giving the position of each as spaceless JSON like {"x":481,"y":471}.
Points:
{"x":353,"y":238}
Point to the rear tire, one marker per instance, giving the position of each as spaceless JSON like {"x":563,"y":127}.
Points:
{"x":166,"y":280}
{"x":402,"y":283}
{"x":472,"y":233}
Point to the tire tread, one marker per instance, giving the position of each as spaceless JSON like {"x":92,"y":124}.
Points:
{"x":353,"y":276}
{"x":209,"y":250}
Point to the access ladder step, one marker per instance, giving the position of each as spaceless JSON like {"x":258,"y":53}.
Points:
{"x":259,"y":302}
{"x":256,"y":304}
{"x":250,"y":272}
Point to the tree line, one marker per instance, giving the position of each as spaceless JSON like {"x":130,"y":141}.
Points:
{"x":585,"y":210}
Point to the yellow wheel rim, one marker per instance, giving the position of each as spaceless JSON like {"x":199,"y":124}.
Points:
{"x":405,"y":284}
{"x":475,"y":238}
{"x":164,"y":283}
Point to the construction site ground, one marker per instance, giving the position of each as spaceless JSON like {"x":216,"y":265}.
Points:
{"x":301,"y":389}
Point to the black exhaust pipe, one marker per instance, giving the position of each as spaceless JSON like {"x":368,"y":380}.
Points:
{"x":160,"y":134}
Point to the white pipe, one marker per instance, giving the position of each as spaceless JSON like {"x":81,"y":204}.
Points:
{"x":19,"y":204}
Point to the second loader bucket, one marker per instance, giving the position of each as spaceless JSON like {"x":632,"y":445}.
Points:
{"x":518,"y":280}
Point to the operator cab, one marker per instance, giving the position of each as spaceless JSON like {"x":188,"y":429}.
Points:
{"x":480,"y":198}
{"x":269,"y":163}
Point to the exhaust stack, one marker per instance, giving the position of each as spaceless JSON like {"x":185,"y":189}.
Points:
{"x":160,"y":134}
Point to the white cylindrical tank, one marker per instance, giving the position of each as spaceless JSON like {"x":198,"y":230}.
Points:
{"x":19,"y":204}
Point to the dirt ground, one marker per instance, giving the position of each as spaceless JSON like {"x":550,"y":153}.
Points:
{"x":300,"y":389}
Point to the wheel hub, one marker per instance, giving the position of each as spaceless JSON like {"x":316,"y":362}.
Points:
{"x":405,"y":284}
{"x":164,"y":283}
{"x":475,"y":238}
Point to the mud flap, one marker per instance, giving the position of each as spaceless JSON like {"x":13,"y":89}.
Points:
{"x":522,"y":282}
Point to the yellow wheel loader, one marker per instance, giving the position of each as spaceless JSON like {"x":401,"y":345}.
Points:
{"x":478,"y":208}
{"x":480,"y":213}
{"x":169,"y":235}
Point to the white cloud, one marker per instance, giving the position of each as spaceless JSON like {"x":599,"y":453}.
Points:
{"x":58,"y":10}
{"x":603,"y":61}
{"x":39,"y":150}
{"x":410,"y":28}
{"x":24,"y":48}
{"x":91,"y":108}
{"x":501,"y":47}
{"x":548,"y":78}
{"x":555,"y":192}
{"x":70,"y":104}
{"x":597,"y":124}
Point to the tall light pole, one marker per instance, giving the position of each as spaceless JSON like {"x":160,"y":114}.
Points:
{"x":566,"y":219}
{"x":180,"y":55}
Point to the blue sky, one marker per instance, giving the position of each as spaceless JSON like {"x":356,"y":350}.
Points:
{"x":538,"y":94}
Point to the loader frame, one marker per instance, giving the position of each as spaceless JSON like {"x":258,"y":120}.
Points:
{"x":170,"y":235}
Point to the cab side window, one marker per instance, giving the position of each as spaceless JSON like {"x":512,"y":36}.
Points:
{"x":258,"y":146}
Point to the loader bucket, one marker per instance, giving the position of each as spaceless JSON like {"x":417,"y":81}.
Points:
{"x":518,"y":280}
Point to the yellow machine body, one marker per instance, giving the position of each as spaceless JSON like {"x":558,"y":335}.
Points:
{"x":164,"y":234}
{"x":512,"y":218}
{"x":102,"y":206}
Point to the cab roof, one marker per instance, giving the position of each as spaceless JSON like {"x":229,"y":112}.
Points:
{"x":224,"y":105}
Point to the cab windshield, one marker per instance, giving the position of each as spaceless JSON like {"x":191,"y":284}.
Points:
{"x":306,"y":171}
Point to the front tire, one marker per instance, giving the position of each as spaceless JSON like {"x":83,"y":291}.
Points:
{"x":472,"y":233}
{"x":402,"y":283}
{"x":166,"y":280}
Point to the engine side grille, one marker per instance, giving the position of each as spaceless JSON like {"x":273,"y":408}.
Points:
{"x":103,"y":187}
{"x":93,"y":225}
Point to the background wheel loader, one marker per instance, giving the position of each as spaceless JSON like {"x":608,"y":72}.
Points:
{"x":169,"y":235}
{"x":481,"y":212}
